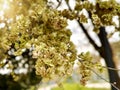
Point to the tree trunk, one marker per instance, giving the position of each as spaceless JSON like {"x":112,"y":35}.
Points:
{"x":106,"y":53}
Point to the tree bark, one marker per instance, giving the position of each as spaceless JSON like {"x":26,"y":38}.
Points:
{"x":106,"y":53}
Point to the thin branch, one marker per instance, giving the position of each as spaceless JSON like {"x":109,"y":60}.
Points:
{"x":114,"y":69}
{"x":99,"y":75}
{"x":104,"y":79}
{"x":59,"y":3}
{"x":69,"y":6}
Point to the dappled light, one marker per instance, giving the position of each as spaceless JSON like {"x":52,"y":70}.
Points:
{"x":5,"y":7}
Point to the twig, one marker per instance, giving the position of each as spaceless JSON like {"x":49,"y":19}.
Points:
{"x":104,"y":79}
{"x":88,"y":36}
{"x":59,"y":3}
{"x":111,"y":68}
{"x":99,"y":75}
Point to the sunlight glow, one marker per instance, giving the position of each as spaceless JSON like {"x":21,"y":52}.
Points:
{"x":5,"y":5}
{"x":2,"y":25}
{"x":1,"y":15}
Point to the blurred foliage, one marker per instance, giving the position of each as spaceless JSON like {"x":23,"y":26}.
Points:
{"x":116,"y":51}
{"x":34,"y":39}
{"x":74,"y":86}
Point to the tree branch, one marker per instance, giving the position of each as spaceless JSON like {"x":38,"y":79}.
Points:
{"x":85,"y":31}
{"x":88,"y":36}
{"x":104,"y":79}
{"x":59,"y":3}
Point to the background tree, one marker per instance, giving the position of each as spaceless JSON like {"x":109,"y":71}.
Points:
{"x":34,"y":37}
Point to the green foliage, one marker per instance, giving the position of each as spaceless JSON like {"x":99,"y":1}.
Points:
{"x":69,"y":14}
{"x":38,"y":33}
{"x":102,"y":12}
{"x":86,"y":66}
{"x":55,"y":51}
{"x":74,"y":86}
{"x":40,"y":36}
{"x":85,"y":63}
